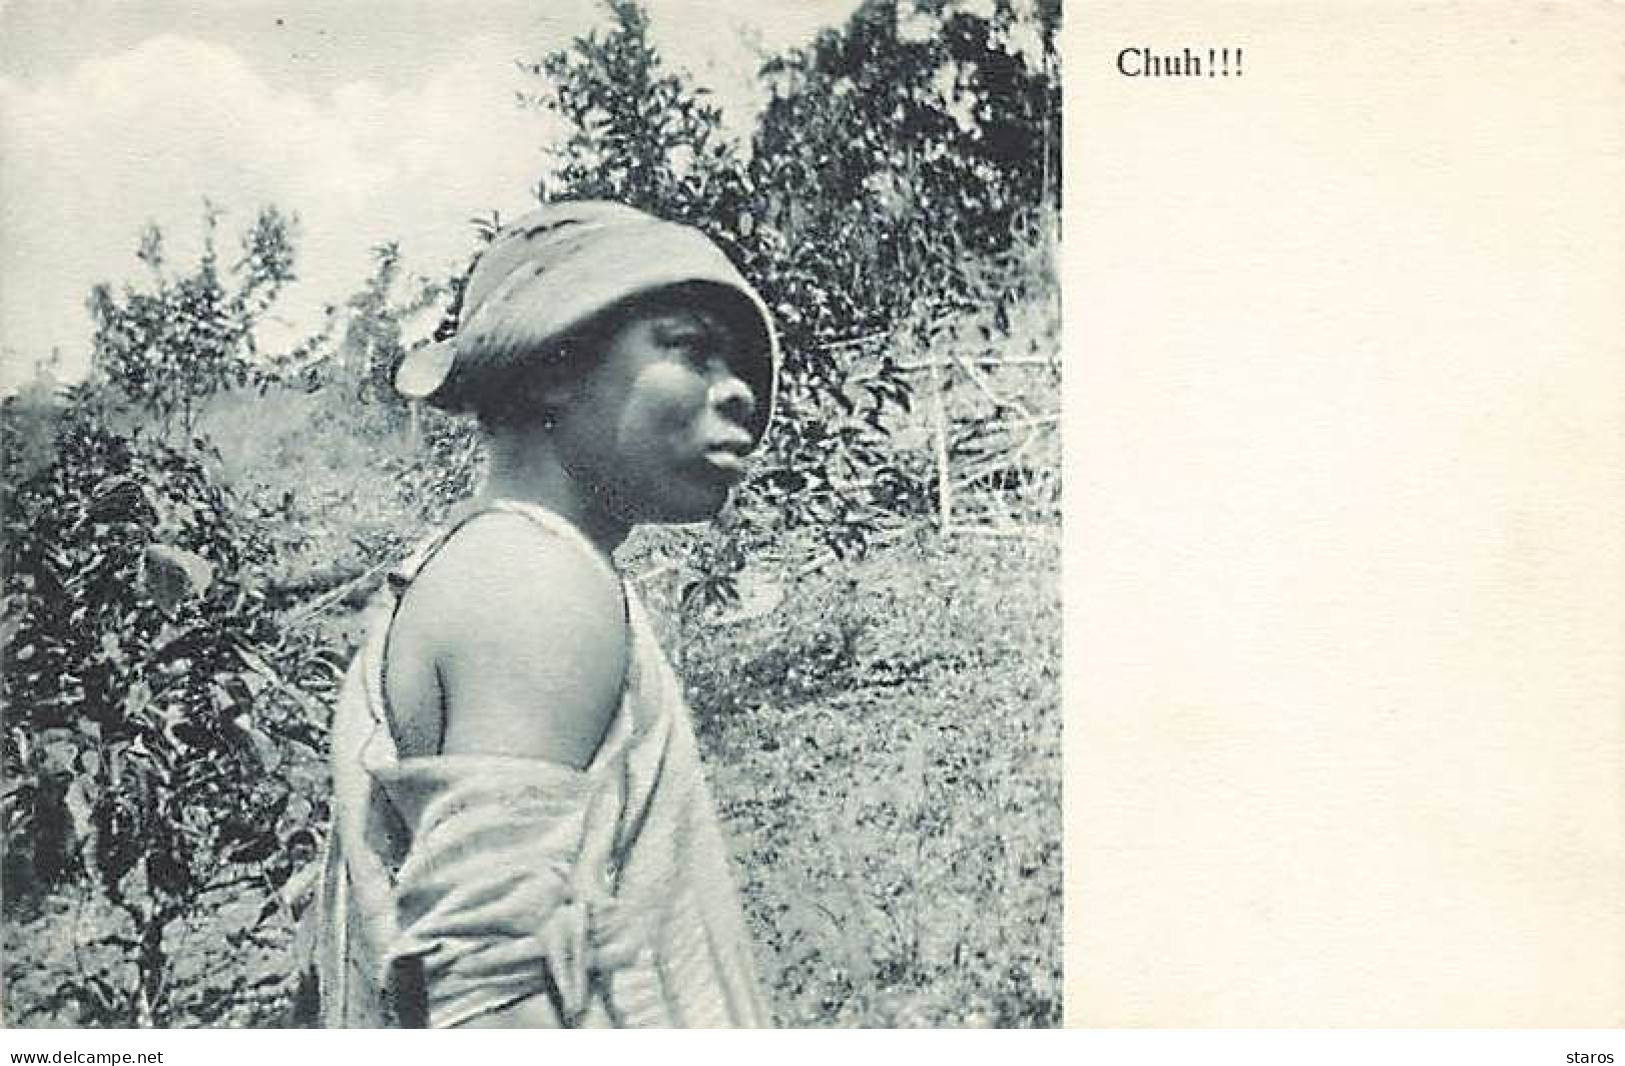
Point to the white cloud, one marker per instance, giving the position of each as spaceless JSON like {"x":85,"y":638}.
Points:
{"x":90,"y":152}
{"x":152,"y":131}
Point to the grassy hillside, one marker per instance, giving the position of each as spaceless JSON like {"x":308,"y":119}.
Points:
{"x":882,"y":732}
{"x":885,"y":751}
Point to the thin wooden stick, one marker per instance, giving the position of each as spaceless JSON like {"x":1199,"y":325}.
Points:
{"x":659,"y":571}
{"x":852,"y":342}
{"x":310,"y":704}
{"x":883,"y":539}
{"x":985,"y":362}
{"x":939,"y":412}
{"x":337,"y":594}
{"x":987,"y":390}
{"x":1017,"y":532}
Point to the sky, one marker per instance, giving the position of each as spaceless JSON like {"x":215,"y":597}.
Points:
{"x":392,"y":120}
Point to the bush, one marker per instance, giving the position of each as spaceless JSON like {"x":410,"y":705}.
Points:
{"x":190,"y":335}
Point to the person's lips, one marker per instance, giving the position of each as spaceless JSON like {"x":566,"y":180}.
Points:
{"x":728,"y":458}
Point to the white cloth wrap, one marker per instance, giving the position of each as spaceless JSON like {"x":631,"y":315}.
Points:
{"x":509,"y":885}
{"x":607,"y":890}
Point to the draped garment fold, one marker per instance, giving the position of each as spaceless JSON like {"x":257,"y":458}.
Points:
{"x":499,"y":878}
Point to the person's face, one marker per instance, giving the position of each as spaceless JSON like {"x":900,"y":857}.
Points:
{"x":657,"y":429}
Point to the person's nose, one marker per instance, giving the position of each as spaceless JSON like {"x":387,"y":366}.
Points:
{"x":731,"y":394}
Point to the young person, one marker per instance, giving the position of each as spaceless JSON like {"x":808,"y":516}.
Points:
{"x":522,"y":833}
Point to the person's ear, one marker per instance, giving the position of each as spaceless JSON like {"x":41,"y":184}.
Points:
{"x":555,"y":387}
{"x":557,"y":395}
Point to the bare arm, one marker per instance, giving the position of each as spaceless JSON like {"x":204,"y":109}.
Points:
{"x":528,"y":639}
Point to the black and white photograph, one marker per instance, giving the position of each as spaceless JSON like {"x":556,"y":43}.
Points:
{"x":929,"y":515}
{"x":531,"y":514}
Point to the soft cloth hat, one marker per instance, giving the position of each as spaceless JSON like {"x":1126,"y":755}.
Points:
{"x":558,"y":266}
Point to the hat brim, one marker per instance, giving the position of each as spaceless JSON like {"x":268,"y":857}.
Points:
{"x":540,"y":301}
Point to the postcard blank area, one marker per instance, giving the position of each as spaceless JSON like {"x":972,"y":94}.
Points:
{"x":1345,"y":424}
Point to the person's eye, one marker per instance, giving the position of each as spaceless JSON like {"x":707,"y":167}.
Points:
{"x":688,"y":341}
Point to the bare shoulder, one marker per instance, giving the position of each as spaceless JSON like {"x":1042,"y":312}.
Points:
{"x":528,"y":638}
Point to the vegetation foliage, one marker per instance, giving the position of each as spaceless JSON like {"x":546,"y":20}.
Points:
{"x":190,"y":533}
{"x":147,"y":730}
{"x":190,"y":336}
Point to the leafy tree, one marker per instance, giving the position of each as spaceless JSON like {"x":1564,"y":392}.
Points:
{"x":644,"y":135}
{"x":151,"y":694}
{"x":904,"y":143}
{"x":190,"y":335}
{"x":896,"y":152}
{"x":147,"y":719}
{"x":372,"y":345}
{"x":639,"y":133}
